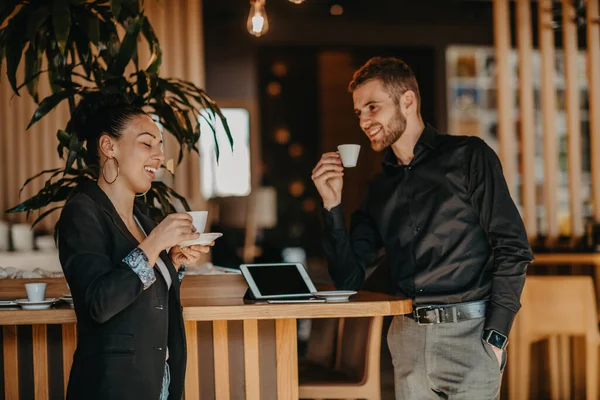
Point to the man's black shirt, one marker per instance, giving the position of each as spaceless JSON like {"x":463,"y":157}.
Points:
{"x":447,"y":223}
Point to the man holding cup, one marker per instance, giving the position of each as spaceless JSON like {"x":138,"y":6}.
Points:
{"x":453,"y":236}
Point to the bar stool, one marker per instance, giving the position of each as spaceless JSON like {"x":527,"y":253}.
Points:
{"x":553,"y":308}
{"x":355,"y":373}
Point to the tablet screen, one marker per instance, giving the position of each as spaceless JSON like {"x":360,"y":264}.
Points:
{"x":282,"y":279}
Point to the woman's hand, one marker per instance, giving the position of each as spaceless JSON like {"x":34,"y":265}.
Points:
{"x":174,"y":229}
{"x":188,"y":255}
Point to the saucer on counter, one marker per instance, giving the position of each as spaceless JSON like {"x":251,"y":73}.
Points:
{"x":37,"y":305}
{"x":335,"y":296}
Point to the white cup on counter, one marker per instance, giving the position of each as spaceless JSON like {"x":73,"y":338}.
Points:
{"x":36,"y":292}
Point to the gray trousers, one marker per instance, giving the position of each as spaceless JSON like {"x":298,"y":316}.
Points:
{"x":443,"y":361}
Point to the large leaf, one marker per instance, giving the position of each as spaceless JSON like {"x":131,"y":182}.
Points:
{"x":44,"y":215}
{"x":61,"y":19}
{"x":15,"y":43}
{"x":56,"y":66}
{"x":54,"y":172}
{"x":33,"y":64}
{"x":115,"y":8}
{"x":128,"y":46}
{"x":155,"y":51}
{"x":35,"y":22}
{"x":48,"y":105}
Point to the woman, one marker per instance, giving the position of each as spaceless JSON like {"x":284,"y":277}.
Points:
{"x":116,"y":260}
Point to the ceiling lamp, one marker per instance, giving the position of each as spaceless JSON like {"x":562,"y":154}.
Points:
{"x":257,"y":23}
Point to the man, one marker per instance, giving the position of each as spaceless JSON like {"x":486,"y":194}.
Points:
{"x":454,"y":239}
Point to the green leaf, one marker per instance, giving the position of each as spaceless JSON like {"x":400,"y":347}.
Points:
{"x":35,"y":21}
{"x":128,"y":46}
{"x":47,"y":171}
{"x":56,"y":66}
{"x":115,"y":8}
{"x":48,"y":105}
{"x":155,"y":60}
{"x":44,"y":215}
{"x":61,"y":20}
{"x":15,"y":43}
{"x":33,"y":63}
{"x":93,"y":28}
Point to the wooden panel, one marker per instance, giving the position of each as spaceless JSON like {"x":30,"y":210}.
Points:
{"x":40,"y":361}
{"x":69,"y":344}
{"x":287,"y":359}
{"x":251,"y":359}
{"x":573,"y":118}
{"x":593,"y":70}
{"x":526,"y":110}
{"x":506,"y":134}
{"x":548,"y":106}
{"x":11,"y":362}
{"x":192,"y":383}
{"x":221,"y":358}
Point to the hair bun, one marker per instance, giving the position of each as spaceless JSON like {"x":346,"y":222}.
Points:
{"x":92,"y":107}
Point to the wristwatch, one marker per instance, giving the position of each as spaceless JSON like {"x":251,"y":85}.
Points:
{"x":495,"y":338}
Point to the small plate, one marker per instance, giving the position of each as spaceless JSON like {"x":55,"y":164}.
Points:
{"x":37,"y":305}
{"x":204,"y":239}
{"x":8,"y":303}
{"x":335,"y":295}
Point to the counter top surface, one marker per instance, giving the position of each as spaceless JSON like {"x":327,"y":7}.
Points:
{"x":364,"y":304}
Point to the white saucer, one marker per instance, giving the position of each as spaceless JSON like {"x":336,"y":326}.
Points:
{"x":204,"y":239}
{"x":37,"y":305}
{"x":335,"y":295}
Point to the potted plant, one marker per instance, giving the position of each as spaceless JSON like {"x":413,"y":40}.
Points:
{"x":81,"y":41}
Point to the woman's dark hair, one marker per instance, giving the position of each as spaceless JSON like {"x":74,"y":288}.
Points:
{"x":99,"y":114}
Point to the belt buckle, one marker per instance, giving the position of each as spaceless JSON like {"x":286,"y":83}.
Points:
{"x":417,"y":317}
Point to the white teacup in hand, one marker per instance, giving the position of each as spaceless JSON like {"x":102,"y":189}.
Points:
{"x":349,"y":154}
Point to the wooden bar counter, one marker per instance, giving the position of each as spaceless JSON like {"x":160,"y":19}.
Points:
{"x":236,"y":350}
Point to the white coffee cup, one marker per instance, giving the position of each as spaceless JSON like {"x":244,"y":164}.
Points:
{"x":349,"y":154}
{"x":199,"y":220}
{"x":35,"y":291}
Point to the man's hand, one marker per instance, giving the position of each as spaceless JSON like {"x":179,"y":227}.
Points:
{"x":498,"y":354}
{"x":328,"y":178}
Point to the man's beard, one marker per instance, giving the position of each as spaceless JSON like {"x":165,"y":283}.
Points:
{"x":391,"y":133}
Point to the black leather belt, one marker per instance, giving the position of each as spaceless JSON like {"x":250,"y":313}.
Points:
{"x":447,"y":313}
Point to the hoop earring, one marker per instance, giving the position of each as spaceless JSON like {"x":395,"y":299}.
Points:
{"x":102,"y":170}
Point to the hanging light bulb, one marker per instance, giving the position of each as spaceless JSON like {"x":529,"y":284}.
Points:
{"x":257,"y":24}
{"x":297,"y":1}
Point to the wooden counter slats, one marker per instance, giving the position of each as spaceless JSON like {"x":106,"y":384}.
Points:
{"x":192,"y":383}
{"x":69,"y":344}
{"x":287,"y":359}
{"x":11,"y":362}
{"x":40,"y":362}
{"x":251,"y":359}
{"x":221,"y":348}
